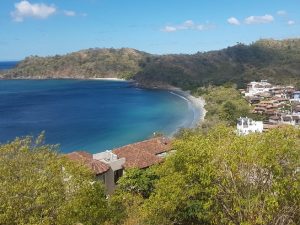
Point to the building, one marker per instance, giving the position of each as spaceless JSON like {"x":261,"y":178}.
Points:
{"x":106,"y":166}
{"x":115,"y":171}
{"x":144,"y":154}
{"x":295,"y":96}
{"x":292,"y":119}
{"x":109,"y":166}
{"x":246,"y":126}
{"x":254,"y":88}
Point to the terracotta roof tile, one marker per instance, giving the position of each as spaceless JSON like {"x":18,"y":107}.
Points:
{"x":87,"y":159}
{"x":143,"y":154}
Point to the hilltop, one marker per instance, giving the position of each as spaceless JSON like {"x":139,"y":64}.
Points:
{"x":277,"y":61}
{"x":89,"y":63}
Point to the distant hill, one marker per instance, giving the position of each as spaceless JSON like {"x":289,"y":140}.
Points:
{"x":90,"y":63}
{"x":277,"y":61}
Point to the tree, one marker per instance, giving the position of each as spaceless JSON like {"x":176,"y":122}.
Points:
{"x":40,"y":186}
{"x":137,"y":181}
{"x":222,"y":178}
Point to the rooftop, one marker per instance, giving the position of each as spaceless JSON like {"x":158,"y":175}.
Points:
{"x":87,"y":159}
{"x":143,"y":154}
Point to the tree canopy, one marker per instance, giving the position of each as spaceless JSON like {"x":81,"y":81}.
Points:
{"x":222,"y":178}
{"x":40,"y":186}
{"x":213,"y":177}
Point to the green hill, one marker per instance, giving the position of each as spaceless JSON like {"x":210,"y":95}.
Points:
{"x":277,"y":61}
{"x":88,"y":63}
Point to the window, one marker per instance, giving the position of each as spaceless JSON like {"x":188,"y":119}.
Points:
{"x":118,"y":174}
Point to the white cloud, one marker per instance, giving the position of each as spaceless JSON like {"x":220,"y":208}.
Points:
{"x":169,"y":29}
{"x":69,"y":13}
{"x":259,"y":19}
{"x":187,"y":25}
{"x":291,"y":22}
{"x":281,"y":12}
{"x":233,"y":21}
{"x":25,"y":9}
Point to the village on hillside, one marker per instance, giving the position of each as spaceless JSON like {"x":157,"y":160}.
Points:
{"x":277,"y":105}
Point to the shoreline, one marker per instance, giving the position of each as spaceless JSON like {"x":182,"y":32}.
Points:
{"x":108,"y":79}
{"x":197,"y":104}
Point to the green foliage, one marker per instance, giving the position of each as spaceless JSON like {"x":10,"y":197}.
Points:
{"x":137,"y":181}
{"x":222,"y":178}
{"x":276,"y":61}
{"x":125,"y":208}
{"x":39,"y":186}
{"x":224,"y":104}
{"x":90,"y":63}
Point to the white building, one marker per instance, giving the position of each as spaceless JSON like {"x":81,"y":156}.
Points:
{"x":255,"y":88}
{"x":115,"y":171}
{"x":295,"y":97}
{"x":246,"y":126}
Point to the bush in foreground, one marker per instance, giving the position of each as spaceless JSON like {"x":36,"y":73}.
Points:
{"x":39,"y":186}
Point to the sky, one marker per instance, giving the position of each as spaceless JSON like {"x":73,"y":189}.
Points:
{"x":49,"y":27}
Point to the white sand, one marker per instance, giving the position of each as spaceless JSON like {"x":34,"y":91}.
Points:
{"x":108,"y":79}
{"x":197,"y":104}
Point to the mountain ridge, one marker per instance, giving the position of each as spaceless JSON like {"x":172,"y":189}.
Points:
{"x":275,"y":60}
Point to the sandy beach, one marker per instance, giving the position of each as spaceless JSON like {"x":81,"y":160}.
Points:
{"x":197,"y":105}
{"x":108,"y":79}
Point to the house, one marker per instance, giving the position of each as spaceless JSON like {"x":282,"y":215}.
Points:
{"x":98,"y":168}
{"x":109,"y":166}
{"x":295,"y":96}
{"x":145,"y":153}
{"x":246,"y":126}
{"x":254,"y":88}
{"x":116,"y":168}
{"x":293,"y":120}
{"x":274,"y":119}
{"x":106,"y":166}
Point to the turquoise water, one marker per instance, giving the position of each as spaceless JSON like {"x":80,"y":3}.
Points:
{"x":89,"y":115}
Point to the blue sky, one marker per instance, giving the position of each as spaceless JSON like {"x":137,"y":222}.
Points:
{"x":49,"y":27}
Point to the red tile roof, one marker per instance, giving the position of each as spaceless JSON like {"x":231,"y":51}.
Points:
{"x":143,"y":154}
{"x":87,"y":159}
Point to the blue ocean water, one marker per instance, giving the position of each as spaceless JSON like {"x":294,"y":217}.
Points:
{"x":89,"y":115}
{"x":5,"y":65}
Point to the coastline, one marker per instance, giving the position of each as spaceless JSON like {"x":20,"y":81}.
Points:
{"x":108,"y":79}
{"x":197,"y":104}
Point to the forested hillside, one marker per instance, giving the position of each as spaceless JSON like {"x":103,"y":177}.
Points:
{"x":277,"y":61}
{"x":90,"y":63}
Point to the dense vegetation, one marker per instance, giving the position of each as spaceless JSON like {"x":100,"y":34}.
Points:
{"x":91,"y":63}
{"x":39,"y":186}
{"x":224,"y":104}
{"x":211,"y":178}
{"x":277,"y":61}
{"x":219,"y":178}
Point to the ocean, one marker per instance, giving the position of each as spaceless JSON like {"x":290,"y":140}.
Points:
{"x":90,"y":115}
{"x":5,"y":65}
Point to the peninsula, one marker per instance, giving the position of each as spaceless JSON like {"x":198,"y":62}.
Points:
{"x":275,"y":60}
